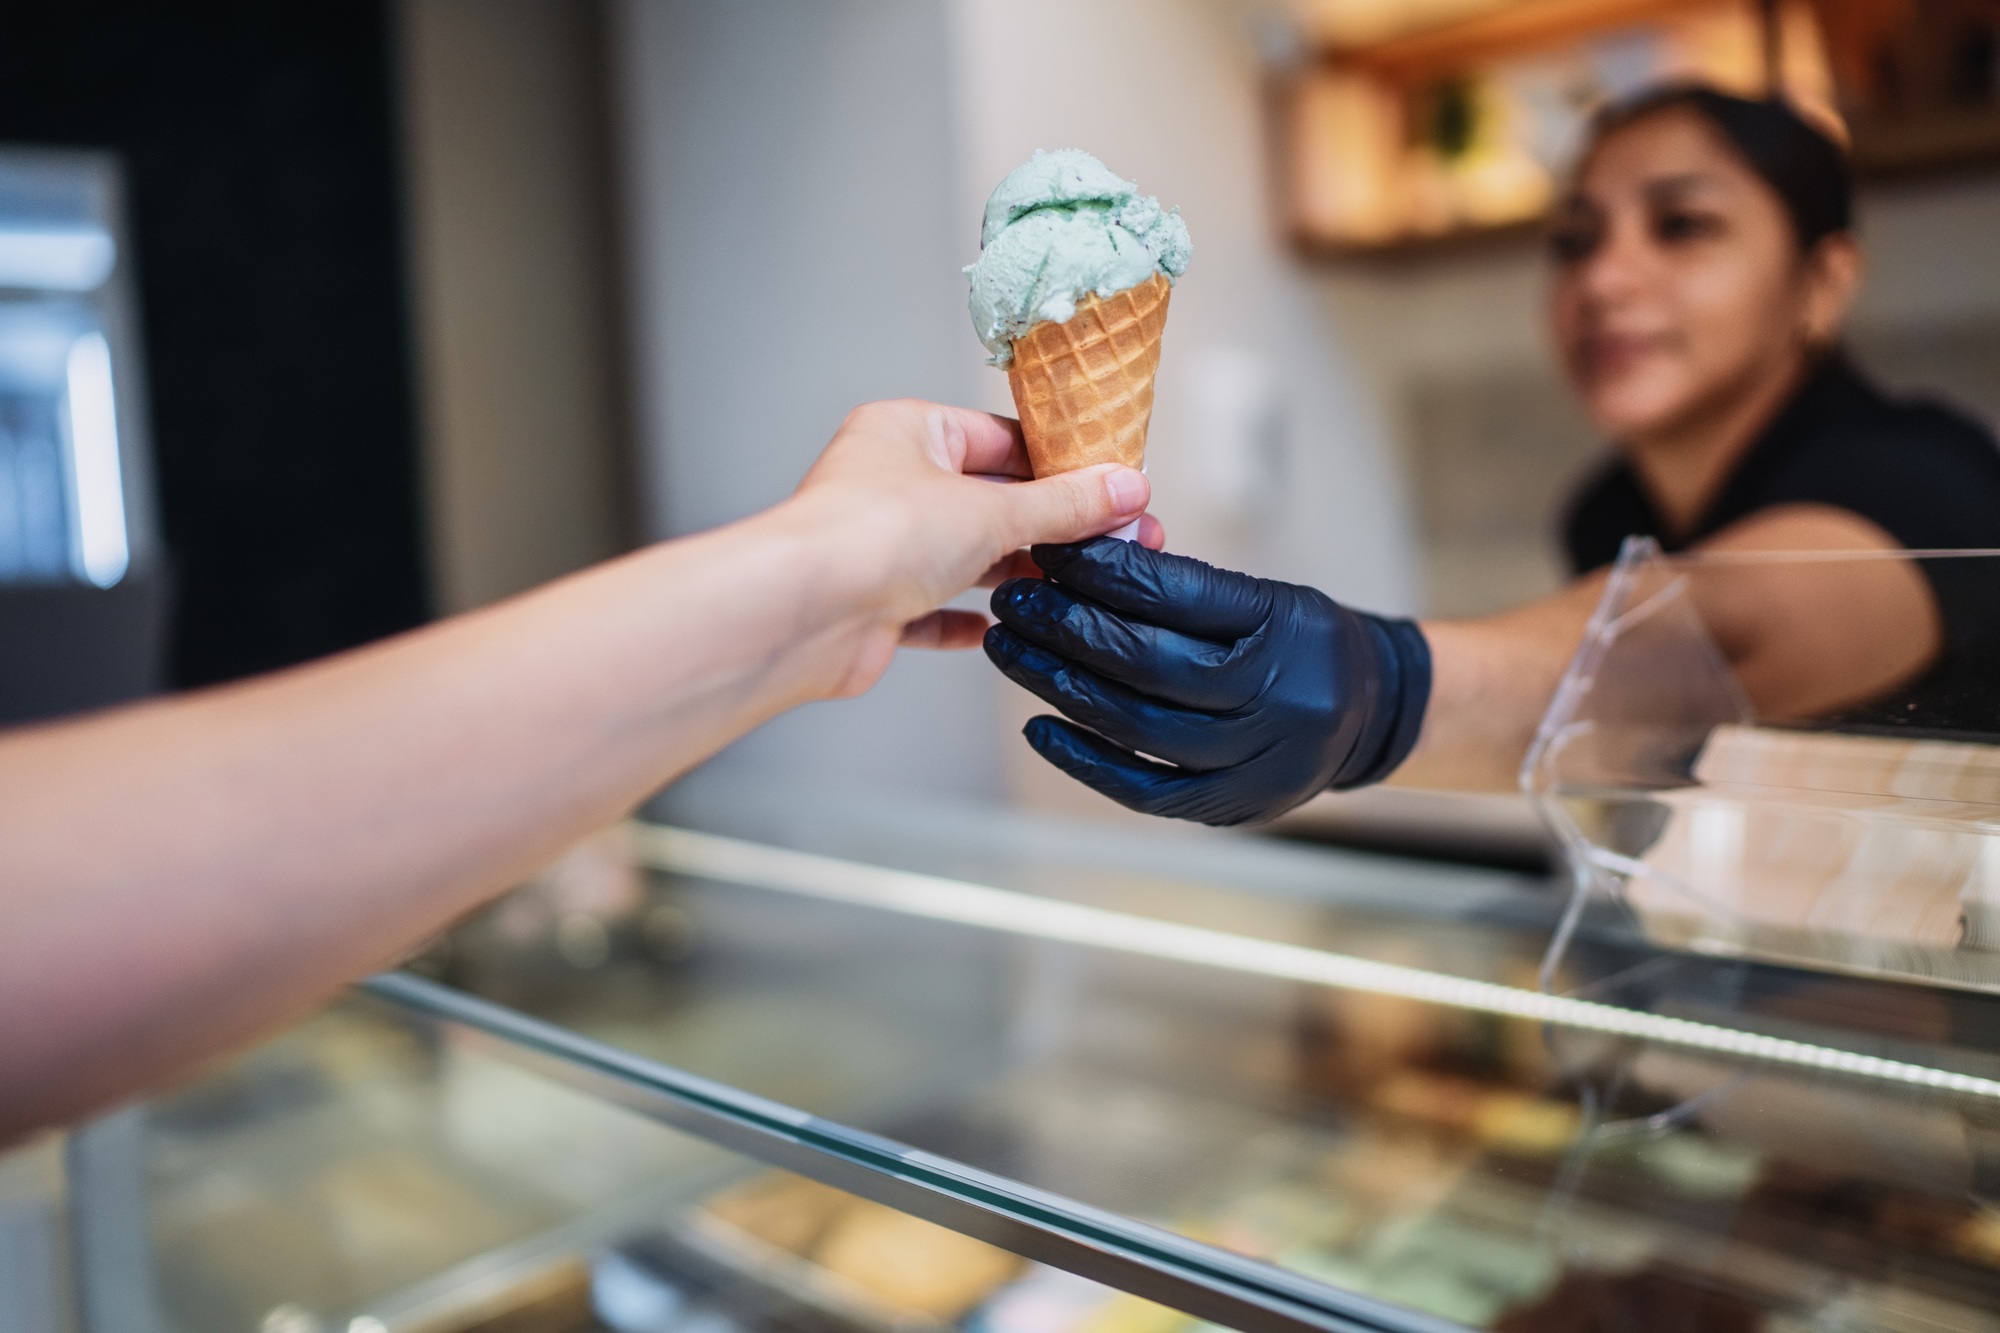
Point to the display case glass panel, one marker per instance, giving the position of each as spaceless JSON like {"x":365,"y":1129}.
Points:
{"x":1368,"y":1098}
{"x":376,"y":1169}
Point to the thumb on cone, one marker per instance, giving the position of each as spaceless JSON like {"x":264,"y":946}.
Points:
{"x":1071,"y":506}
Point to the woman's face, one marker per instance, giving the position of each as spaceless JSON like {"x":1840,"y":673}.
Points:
{"x":1678,"y":286}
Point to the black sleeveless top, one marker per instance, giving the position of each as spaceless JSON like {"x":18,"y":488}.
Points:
{"x":1926,"y":474}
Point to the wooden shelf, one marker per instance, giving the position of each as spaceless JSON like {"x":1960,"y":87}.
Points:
{"x":1373,"y":102}
{"x":1885,"y":148}
{"x":1527,"y":25}
{"x":1424,"y":247}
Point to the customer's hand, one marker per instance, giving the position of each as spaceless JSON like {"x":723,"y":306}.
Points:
{"x":1257,"y":694}
{"x":276,"y":838}
{"x":934,"y":500}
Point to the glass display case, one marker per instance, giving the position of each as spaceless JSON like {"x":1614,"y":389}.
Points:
{"x":807,"y":1062}
{"x":866,"y":1068}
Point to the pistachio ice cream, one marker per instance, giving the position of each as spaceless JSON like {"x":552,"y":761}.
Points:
{"x":1061,"y":228}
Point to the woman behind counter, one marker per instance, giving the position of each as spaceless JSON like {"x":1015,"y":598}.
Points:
{"x":1703,"y":264}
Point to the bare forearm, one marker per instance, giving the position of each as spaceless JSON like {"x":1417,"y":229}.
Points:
{"x":1804,"y":638}
{"x":179,"y":876}
{"x":1491,"y":680}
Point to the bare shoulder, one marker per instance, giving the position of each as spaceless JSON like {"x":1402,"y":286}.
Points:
{"x":1811,"y":637}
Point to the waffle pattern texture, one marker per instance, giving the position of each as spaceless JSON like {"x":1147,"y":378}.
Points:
{"x":1084,"y":388}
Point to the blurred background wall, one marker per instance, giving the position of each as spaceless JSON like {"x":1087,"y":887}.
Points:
{"x":512,"y":210}
{"x":794,"y":251}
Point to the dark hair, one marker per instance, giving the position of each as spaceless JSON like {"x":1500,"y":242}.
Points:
{"x":1801,"y":163}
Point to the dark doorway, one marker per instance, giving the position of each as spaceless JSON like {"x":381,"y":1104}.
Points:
{"x":260,"y":149}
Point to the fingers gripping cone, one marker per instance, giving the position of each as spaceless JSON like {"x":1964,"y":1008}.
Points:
{"x":1084,"y":388}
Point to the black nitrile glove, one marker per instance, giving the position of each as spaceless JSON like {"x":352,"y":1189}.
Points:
{"x":1257,"y":694}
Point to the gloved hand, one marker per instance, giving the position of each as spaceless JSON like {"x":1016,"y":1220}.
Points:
{"x":1258,"y":694}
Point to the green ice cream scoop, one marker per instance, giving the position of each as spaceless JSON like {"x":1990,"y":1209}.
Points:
{"x":1061,"y":227}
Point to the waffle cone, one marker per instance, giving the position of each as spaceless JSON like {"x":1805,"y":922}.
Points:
{"x":1084,"y":387}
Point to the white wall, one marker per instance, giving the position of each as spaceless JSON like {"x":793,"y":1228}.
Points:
{"x":794,"y":251}
{"x":524,"y":455}
{"x":1933,"y":254}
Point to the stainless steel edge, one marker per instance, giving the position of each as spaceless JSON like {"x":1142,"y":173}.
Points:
{"x":1147,"y":1261}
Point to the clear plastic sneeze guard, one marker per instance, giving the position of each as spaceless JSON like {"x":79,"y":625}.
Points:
{"x":1863,"y":837}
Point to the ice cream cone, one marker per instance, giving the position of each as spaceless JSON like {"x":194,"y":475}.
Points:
{"x":1084,"y":387}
